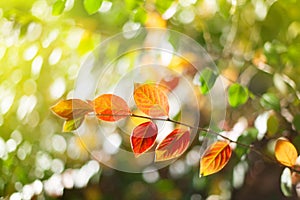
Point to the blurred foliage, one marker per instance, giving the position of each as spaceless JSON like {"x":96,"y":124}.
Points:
{"x":43,"y":43}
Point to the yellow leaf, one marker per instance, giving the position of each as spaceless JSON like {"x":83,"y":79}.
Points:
{"x":285,"y":152}
{"x":71,"y":108}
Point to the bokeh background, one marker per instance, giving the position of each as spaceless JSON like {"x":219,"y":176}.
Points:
{"x":43,"y":44}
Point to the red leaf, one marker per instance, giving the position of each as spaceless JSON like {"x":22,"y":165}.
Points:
{"x":71,"y":108}
{"x":215,"y":158}
{"x":109,"y":107}
{"x":151,"y":100}
{"x":143,"y":137}
{"x":173,"y":145}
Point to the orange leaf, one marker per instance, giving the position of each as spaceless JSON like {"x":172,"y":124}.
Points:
{"x":285,"y":152}
{"x":173,"y":145}
{"x":152,"y":100}
{"x":71,"y":108}
{"x":215,"y":158}
{"x":109,"y":107}
{"x":143,"y":137}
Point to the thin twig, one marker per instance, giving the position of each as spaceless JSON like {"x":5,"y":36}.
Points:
{"x":207,"y":130}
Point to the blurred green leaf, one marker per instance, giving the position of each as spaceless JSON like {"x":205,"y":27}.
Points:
{"x":162,"y":6}
{"x":272,"y":125}
{"x":296,"y":122}
{"x":72,"y":124}
{"x":132,"y":4}
{"x":270,"y":101}
{"x":224,"y":7}
{"x":248,"y":137}
{"x":58,"y":7}
{"x":237,"y":95}
{"x":207,"y":80}
{"x":92,"y":6}
{"x":140,"y":15}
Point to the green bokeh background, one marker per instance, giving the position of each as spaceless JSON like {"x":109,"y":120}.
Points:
{"x":255,"y":43}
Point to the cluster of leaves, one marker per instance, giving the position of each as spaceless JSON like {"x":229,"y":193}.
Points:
{"x":150,"y":99}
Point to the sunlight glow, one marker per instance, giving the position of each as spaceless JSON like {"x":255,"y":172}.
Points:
{"x":11,"y":145}
{"x":30,"y":52}
{"x":6,"y":101}
{"x":50,"y":38}
{"x":58,"y":88}
{"x":59,"y":143}
{"x":186,"y":16}
{"x":34,"y":31}
{"x":178,"y":168}
{"x":3,"y":151}
{"x":261,"y":124}
{"x":74,"y":37}
{"x":130,"y":29}
{"x":186,"y":3}
{"x":55,"y":56}
{"x":112,"y":143}
{"x":105,"y":6}
{"x":26,"y":106}
{"x":150,"y":175}
{"x":36,"y":66}
{"x":57,"y":166}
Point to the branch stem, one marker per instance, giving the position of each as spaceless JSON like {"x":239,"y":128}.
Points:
{"x":198,"y":128}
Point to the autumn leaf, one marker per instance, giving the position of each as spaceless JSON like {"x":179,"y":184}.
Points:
{"x":285,"y":152}
{"x":215,"y":158}
{"x":71,"y":108}
{"x":109,"y":107}
{"x":151,"y":100}
{"x":143,"y":137}
{"x":72,"y":124}
{"x":174,"y":145}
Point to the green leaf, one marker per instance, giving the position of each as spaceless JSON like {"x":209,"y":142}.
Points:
{"x":140,"y":15}
{"x":237,"y":95}
{"x":270,"y":101}
{"x":58,"y":7}
{"x":207,"y":80}
{"x":162,"y":6}
{"x":92,"y":6}
{"x":224,"y":8}
{"x":296,"y":122}
{"x":272,"y":125}
{"x":132,"y":4}
{"x":248,"y":137}
{"x":72,"y":124}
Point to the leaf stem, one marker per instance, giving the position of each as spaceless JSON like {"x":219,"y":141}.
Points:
{"x":207,"y":130}
{"x":198,"y":128}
